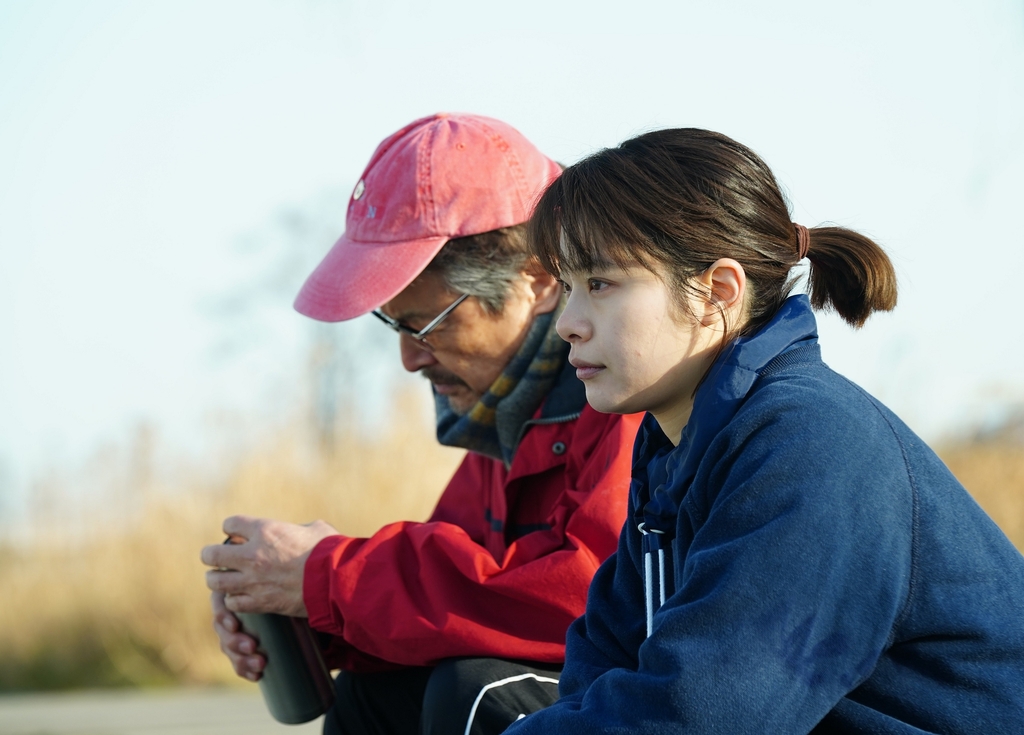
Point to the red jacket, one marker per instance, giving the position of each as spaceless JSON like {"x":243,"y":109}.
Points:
{"x":501,"y":567}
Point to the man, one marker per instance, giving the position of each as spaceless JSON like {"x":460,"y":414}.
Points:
{"x":458,"y":624}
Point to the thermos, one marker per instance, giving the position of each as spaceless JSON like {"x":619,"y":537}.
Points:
{"x":296,"y":684}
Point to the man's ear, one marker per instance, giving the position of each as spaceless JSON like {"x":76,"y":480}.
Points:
{"x":725,"y":283}
{"x":546,"y":290}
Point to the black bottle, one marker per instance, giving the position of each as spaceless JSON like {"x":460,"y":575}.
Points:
{"x":295,"y":684}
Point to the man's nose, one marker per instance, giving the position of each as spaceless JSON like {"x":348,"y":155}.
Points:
{"x":415,"y":355}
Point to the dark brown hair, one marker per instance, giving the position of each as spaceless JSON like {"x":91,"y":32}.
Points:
{"x":684,"y":198}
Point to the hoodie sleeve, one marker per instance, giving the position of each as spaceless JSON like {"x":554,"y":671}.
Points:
{"x":792,"y":562}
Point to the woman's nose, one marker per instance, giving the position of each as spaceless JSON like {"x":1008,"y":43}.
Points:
{"x":415,"y":354}
{"x":571,"y":325}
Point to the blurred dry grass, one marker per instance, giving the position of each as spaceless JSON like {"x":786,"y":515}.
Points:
{"x":994,"y":473}
{"x":123,"y":602}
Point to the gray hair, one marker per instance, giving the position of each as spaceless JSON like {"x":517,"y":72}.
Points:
{"x":485,"y":266}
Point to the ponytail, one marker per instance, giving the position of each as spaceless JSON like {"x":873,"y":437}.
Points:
{"x":850,"y":274}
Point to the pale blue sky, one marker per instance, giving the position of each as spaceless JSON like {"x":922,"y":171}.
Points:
{"x":149,"y":150}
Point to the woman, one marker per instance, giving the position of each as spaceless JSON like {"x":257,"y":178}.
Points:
{"x":797,"y":559}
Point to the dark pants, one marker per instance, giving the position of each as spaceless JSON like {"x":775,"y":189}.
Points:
{"x":462,"y":696}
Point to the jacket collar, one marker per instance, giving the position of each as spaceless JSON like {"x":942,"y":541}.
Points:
{"x":663,"y":473}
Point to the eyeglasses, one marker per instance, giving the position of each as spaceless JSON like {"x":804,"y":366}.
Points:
{"x":420,"y":336}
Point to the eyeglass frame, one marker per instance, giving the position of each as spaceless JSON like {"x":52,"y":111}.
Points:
{"x":421,"y":335}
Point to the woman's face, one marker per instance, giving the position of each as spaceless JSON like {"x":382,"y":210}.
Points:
{"x":633,"y":345}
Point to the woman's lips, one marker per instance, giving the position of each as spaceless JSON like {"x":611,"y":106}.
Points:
{"x":585,"y":370}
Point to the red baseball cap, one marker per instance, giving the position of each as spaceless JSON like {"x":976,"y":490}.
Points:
{"x":444,"y":176}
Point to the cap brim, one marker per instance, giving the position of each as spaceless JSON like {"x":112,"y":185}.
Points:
{"x":355,"y":277}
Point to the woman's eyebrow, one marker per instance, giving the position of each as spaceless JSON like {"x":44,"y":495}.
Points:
{"x":602,"y":265}
{"x":592,"y":267}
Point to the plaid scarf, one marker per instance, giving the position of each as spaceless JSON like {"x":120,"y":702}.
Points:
{"x":493,"y":426}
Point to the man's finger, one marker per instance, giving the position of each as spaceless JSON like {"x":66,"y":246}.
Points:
{"x":221,"y":556}
{"x":223,"y":619}
{"x":226,"y":556}
{"x":250,"y":667}
{"x":255,"y":665}
{"x":217,"y":603}
{"x":226,"y":619}
{"x":228,"y":582}
{"x":235,"y":644}
{"x":210,"y":556}
{"x":240,"y":525}
{"x":240,"y":603}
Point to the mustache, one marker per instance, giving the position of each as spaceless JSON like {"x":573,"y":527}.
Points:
{"x":439,"y":376}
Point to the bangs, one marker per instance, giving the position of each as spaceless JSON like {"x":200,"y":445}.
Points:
{"x":582,"y":223}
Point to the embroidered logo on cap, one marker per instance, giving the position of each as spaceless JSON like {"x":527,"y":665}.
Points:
{"x":360,"y":188}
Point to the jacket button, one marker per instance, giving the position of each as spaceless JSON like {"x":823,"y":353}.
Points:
{"x":558,"y":447}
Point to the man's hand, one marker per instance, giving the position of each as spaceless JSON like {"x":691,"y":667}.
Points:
{"x":264,"y":572}
{"x":237,"y":646}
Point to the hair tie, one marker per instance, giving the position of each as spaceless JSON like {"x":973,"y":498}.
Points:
{"x":803,"y":241}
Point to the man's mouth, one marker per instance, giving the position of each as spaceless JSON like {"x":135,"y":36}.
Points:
{"x":443,"y":381}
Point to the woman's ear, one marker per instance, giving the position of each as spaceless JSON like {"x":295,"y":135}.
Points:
{"x":725,"y":283}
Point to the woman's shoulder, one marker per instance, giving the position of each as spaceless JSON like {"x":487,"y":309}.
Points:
{"x":813,"y":391}
{"x":812,"y":411}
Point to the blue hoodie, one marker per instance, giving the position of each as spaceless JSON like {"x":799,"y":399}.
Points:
{"x":800,"y":562}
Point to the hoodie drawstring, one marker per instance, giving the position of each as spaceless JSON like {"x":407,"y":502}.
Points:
{"x":661,"y":576}
{"x":652,"y":542}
